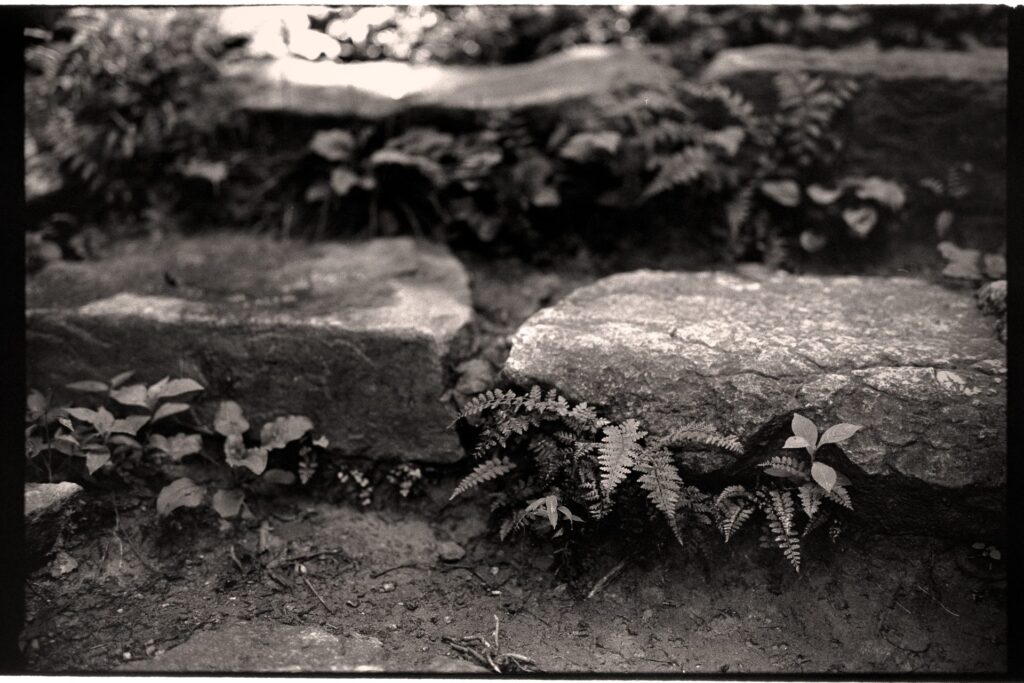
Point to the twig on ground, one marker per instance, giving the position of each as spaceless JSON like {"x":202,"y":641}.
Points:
{"x":482,"y":580}
{"x":234,"y":558}
{"x":302,"y":558}
{"x":903,"y":608}
{"x":526,"y":611}
{"x":326,"y":606}
{"x":407,"y":565}
{"x":937,"y":601}
{"x":606,"y":579}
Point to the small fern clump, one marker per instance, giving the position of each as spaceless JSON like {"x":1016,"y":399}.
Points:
{"x":574,"y":463}
{"x":795,"y":486}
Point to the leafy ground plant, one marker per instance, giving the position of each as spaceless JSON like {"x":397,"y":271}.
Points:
{"x":811,"y":487}
{"x":574,"y":466}
{"x":111,"y":431}
{"x":246,"y":461}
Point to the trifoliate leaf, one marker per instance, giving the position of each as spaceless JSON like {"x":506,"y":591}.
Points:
{"x":179,"y":493}
{"x":177,"y":446}
{"x":282,"y":431}
{"x":806,"y":430}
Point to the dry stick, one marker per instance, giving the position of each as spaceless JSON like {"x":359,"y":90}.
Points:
{"x":302,"y":558}
{"x":606,"y":579}
{"x":326,"y":607}
{"x":234,"y":558}
{"x":937,"y":601}
{"x":485,"y":582}
{"x":408,"y":565}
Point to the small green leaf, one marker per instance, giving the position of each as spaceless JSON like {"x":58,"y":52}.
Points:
{"x":118,"y":380}
{"x":885,"y":192}
{"x":176,"y":387}
{"x":129,"y":425}
{"x":88,"y":385}
{"x":280,"y":477}
{"x":177,"y":446}
{"x":812,"y":242}
{"x":101,"y":419}
{"x":551,"y":504}
{"x":978,"y":546}
{"x":228,"y":503}
{"x":236,"y":455}
{"x":321,"y":442}
{"x":230,"y":420}
{"x":179,"y":493}
{"x":861,"y":220}
{"x":132,"y":395}
{"x":806,"y":430}
{"x":96,"y":458}
{"x":168,"y":409}
{"x":838,"y":433}
{"x":995,"y":554}
{"x":124,"y":440}
{"x":823,"y":195}
{"x":284,"y":430}
{"x":824,"y":475}
{"x":784,"y":192}
{"x":795,"y":442}
{"x":36,"y":403}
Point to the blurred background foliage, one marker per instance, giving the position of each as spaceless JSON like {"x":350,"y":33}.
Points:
{"x":130,"y":130}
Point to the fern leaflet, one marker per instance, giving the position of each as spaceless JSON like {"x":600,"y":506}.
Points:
{"x":618,"y":451}
{"x":485,"y":471}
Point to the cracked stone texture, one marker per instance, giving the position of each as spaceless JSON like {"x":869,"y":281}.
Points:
{"x":46,"y":514}
{"x":354,"y":336}
{"x":375,"y":90}
{"x":915,"y":363}
{"x":908,"y":100}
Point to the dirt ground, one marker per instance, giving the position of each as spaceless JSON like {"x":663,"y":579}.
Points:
{"x":142,"y":587}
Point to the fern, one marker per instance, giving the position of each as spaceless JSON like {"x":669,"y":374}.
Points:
{"x":618,"y":451}
{"x":778,"y":510}
{"x":733,"y":516}
{"x":485,"y":471}
{"x":785,"y":466}
{"x":492,"y":399}
{"x":840,"y":495}
{"x":660,"y":479}
{"x":702,"y":433}
{"x":513,"y":523}
{"x":810,"y":499}
{"x":730,"y":492}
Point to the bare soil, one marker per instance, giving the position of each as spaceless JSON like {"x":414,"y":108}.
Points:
{"x":144,"y":586}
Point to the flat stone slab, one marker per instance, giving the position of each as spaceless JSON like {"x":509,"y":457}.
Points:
{"x":46,"y":507}
{"x":914,"y":363}
{"x":354,"y":336}
{"x":378,"y":89}
{"x":952,"y":104}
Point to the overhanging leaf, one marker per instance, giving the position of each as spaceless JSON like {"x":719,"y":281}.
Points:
{"x":812,"y":242}
{"x":96,"y":457}
{"x":885,"y":192}
{"x":119,"y":379}
{"x":838,"y":433}
{"x":179,"y":493}
{"x":806,"y":430}
{"x":282,"y":431}
{"x":253,"y":459}
{"x":101,"y":419}
{"x":824,"y":475}
{"x":795,"y":442}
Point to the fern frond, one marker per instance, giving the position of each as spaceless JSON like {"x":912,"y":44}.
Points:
{"x":489,"y":400}
{"x":485,"y":471}
{"x":680,"y":170}
{"x":778,"y":510}
{"x":660,"y":479}
{"x":730,"y":492}
{"x":840,"y":495}
{"x":785,"y":466}
{"x":703,"y":433}
{"x":810,"y":498}
{"x":733,"y":516}
{"x":617,"y":452}
{"x":513,"y":523}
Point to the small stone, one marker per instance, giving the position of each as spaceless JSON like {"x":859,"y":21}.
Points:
{"x":450,"y":551}
{"x":494,"y":571}
{"x":447,"y":619}
{"x":387,"y":587}
{"x":127,"y":656}
{"x":412,"y":606}
{"x":392,"y":627}
{"x":35,"y":644}
{"x":150,"y":649}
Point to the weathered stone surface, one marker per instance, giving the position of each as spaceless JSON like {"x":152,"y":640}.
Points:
{"x":46,"y":507}
{"x":382,"y":88}
{"x":952,"y":104}
{"x":915,"y":363}
{"x":353,"y":336}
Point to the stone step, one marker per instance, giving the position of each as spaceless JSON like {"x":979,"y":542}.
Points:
{"x":354,"y":336}
{"x":951,"y":105}
{"x":915,"y":363}
{"x":375,"y":90}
